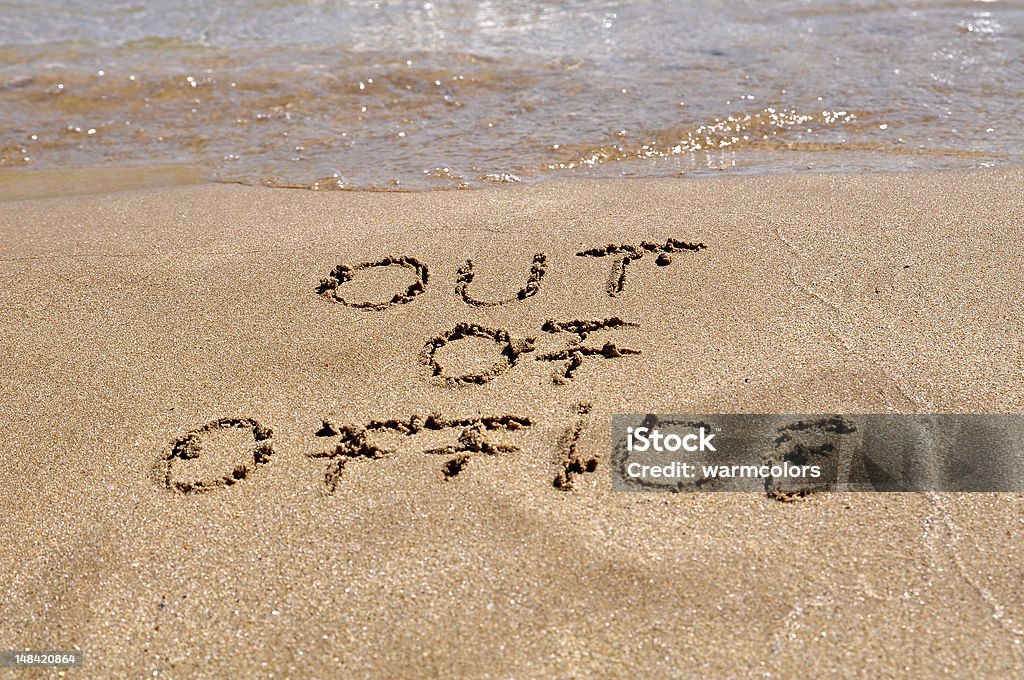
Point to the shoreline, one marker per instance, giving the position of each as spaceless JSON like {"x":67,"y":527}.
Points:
{"x":22,"y":185}
{"x":44,"y":184}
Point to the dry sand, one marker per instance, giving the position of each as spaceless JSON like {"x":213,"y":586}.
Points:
{"x":131,"y":319}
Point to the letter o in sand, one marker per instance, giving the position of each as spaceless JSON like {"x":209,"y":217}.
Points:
{"x":673,"y":442}
{"x":190,"y":447}
{"x":511,"y":350}
{"x":328,"y":288}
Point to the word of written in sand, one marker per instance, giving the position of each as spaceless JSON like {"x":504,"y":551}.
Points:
{"x":567,"y":360}
{"x":230,"y":451}
{"x":622,"y":255}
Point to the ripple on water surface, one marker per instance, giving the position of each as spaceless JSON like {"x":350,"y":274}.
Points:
{"x":412,"y":95}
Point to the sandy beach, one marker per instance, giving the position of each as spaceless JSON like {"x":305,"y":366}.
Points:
{"x":179,"y":366}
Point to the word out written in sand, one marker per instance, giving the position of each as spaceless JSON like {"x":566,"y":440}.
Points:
{"x":622,"y":255}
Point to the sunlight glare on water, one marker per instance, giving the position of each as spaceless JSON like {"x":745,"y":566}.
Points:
{"x":415,"y":95}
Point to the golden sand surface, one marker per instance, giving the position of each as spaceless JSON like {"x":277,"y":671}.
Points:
{"x":178,"y":366}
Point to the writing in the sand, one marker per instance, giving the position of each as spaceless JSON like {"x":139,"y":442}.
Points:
{"x":566,"y":359}
{"x":621,"y":256}
{"x":458,"y":440}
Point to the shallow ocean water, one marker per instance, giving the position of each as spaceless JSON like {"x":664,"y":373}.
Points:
{"x":418,"y":95}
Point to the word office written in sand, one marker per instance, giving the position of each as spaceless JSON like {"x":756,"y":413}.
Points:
{"x":476,"y":436}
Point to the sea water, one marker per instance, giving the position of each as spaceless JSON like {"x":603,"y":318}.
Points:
{"x":422,"y":95}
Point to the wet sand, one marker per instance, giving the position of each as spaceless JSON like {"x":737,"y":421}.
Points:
{"x":174,"y":389}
